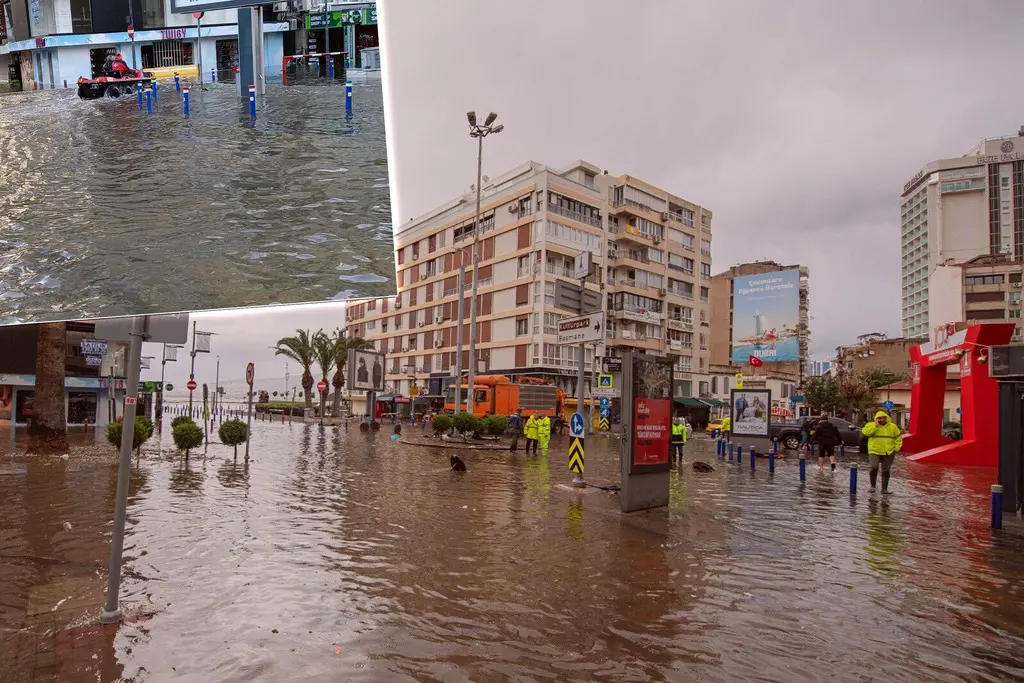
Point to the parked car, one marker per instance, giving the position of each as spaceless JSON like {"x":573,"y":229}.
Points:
{"x":712,"y":426}
{"x":788,"y":433}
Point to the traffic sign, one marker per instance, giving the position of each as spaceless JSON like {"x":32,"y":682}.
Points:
{"x":321,"y":386}
{"x":576,"y":455}
{"x":583,"y":262}
{"x":169,"y":387}
{"x":957,"y":411}
{"x":576,"y":425}
{"x":605,"y":412}
{"x":131,"y":32}
{"x":888,"y":405}
{"x":605,"y":403}
{"x":604,"y":382}
{"x":198,"y":15}
{"x":605,"y":393}
{"x":129,"y":400}
{"x":191,"y":385}
{"x":581,"y":329}
{"x":250,"y":373}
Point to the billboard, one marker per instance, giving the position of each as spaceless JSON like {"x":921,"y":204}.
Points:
{"x":766,"y":316}
{"x":365,"y":370}
{"x":750,"y":412}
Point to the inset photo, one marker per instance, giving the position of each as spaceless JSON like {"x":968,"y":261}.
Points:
{"x":196,"y":155}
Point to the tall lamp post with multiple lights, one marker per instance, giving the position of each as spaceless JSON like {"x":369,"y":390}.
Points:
{"x":479,"y":132}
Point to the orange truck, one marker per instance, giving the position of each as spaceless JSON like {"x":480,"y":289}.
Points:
{"x":499,"y":395}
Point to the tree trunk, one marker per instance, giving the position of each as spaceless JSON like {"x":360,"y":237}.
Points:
{"x":338,"y":384}
{"x":307,"y":388}
{"x":48,"y":429}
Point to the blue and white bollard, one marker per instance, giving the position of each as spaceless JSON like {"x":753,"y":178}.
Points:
{"x":149,"y":100}
{"x":997,"y":506}
{"x":721,"y":449}
{"x":730,"y":452}
{"x":213,"y":75}
{"x":753,"y":460}
{"x":803,"y":467}
{"x":185,"y":96}
{"x":853,"y":479}
{"x":156,"y":91}
{"x":771,"y":463}
{"x":252,"y":101}
{"x":138,"y":91}
{"x":177,"y":81}
{"x":348,"y":95}
{"x":752,"y":453}
{"x":739,"y":454}
{"x":330,"y":66}
{"x":775,"y":446}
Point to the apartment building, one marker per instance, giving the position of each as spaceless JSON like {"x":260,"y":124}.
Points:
{"x":876,"y":350}
{"x":983,"y":289}
{"x":721,"y":327}
{"x":953,"y":210}
{"x":652,"y":276}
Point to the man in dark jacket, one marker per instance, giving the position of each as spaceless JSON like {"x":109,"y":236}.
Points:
{"x":826,"y":435}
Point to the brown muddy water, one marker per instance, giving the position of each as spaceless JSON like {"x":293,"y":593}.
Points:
{"x":345,"y":556}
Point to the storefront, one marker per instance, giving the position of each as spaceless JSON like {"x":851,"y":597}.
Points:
{"x":87,"y":400}
{"x":350,"y":31}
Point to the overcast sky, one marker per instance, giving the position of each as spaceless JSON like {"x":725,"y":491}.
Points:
{"x":243,"y":336}
{"x":796,"y":122}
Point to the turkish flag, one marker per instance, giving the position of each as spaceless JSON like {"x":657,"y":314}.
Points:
{"x":755,"y":361}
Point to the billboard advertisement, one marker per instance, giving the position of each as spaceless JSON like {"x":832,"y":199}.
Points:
{"x":365,"y":370}
{"x":750,"y":412}
{"x":766,"y":316}
{"x":651,"y":420}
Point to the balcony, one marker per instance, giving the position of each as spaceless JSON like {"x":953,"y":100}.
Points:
{"x":675,"y":291}
{"x":632,"y":234}
{"x":574,"y":215}
{"x":680,"y":325}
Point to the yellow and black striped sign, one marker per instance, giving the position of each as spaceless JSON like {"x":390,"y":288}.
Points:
{"x":603,"y":424}
{"x":576,"y":455}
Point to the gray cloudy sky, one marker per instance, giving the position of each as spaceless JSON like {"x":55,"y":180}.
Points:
{"x":243,"y":336}
{"x":796,"y":122}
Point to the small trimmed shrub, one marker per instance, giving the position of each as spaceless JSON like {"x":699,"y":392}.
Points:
{"x":232,"y":433}
{"x":495,"y":425}
{"x":466,"y":423}
{"x":143,"y":430}
{"x":441,"y":424}
{"x":181,"y":419}
{"x":187,"y":436}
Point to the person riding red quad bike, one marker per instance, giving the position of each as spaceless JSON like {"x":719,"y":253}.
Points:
{"x":117,"y":68}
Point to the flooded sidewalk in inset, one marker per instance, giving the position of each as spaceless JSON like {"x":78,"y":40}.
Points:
{"x":346,"y":555}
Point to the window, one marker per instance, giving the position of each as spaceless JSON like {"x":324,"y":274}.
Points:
{"x":983,"y":280}
{"x":588,"y":179}
{"x":551,"y":323}
{"x":685,"y":364}
{"x":655,"y":255}
{"x":714,"y":385}
{"x":705,"y":270}
{"x":578,"y":239}
{"x":522,"y":327}
{"x":642,"y":226}
{"x":570,"y":208}
{"x":705,"y":247}
{"x":688,"y":217}
{"x":704,"y":294}
{"x":703,"y":388}
{"x":524,"y":266}
{"x":81,"y":407}
{"x":1015,"y":313}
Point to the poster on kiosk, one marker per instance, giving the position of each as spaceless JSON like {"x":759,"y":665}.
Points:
{"x":651,"y":413}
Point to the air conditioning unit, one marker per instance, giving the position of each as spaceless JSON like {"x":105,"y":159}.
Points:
{"x":513,"y":208}
{"x":1016,"y":285}
{"x":405,"y":349}
{"x":415,"y":257}
{"x":398,"y":305}
{"x":657,"y":240}
{"x":280,"y":6}
{"x":438,"y":320}
{"x":421,"y":323}
{"x":437,"y":343}
{"x":664,"y":215}
{"x":663,"y":291}
{"x":293,"y":24}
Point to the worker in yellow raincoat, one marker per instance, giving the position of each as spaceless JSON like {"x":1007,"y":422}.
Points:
{"x":532,"y":426}
{"x":544,"y":434}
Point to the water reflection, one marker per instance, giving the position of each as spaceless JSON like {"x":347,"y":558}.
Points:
{"x":101,"y":206}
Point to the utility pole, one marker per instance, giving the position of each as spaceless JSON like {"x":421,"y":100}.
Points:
{"x":478,"y":132}
{"x":192,"y":368}
{"x":458,"y":341}
{"x":216,"y":387}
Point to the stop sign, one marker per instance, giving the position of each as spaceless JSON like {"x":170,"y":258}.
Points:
{"x":131,"y":32}
{"x":197,"y":15}
{"x":191,"y":385}
{"x":322,"y":386}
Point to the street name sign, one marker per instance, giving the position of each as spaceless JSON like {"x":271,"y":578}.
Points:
{"x":582,"y":329}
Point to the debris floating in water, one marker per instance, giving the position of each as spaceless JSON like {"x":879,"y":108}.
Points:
{"x":67,"y":526}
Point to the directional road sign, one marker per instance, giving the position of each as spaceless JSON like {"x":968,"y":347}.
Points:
{"x":576,"y":425}
{"x":604,"y":423}
{"x":604,"y":382}
{"x":888,"y":405}
{"x":576,"y":455}
{"x":605,"y":403}
{"x":583,"y":262}
{"x":581,"y":329}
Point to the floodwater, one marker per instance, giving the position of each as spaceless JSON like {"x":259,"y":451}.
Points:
{"x":346,"y":556}
{"x":105,"y":210}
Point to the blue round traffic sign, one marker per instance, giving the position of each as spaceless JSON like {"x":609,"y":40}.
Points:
{"x":576,"y":425}
{"x":888,"y":405}
{"x":957,"y":411}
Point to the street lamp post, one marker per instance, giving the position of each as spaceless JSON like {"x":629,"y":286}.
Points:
{"x":479,"y":132}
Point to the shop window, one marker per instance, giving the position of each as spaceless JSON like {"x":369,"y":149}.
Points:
{"x":24,"y":407}
{"x":81,"y":407}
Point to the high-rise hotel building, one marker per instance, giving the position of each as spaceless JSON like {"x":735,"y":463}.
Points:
{"x":652,"y":276}
{"x":953,"y":210}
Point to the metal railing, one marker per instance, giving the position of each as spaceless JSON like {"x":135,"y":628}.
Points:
{"x":574,"y":215}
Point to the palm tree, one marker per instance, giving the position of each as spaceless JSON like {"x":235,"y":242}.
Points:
{"x":48,"y":429}
{"x":300,"y":349}
{"x":342,"y":345}
{"x":323,"y":351}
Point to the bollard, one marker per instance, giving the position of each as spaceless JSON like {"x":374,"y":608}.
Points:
{"x":739,"y":454}
{"x":771,"y":463}
{"x":997,"y":506}
{"x":138,"y":91}
{"x":213,"y":75}
{"x":177,"y":81}
{"x":812,"y":448}
{"x":149,"y":100}
{"x":721,"y":448}
{"x":156,"y":91}
{"x":730,"y":452}
{"x":853,"y":479}
{"x":252,"y":101}
{"x":803,"y":467}
{"x":753,"y":460}
{"x":346,"y":423}
{"x":330,"y":67}
{"x":775,"y":446}
{"x":752,"y":453}
{"x":185,"y":95}
{"x":842,"y":449}
{"x":348,"y":95}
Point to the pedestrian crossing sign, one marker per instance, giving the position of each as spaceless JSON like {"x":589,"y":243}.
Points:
{"x":604,"y":382}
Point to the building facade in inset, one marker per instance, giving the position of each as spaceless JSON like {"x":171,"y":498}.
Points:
{"x":652,"y":276}
{"x":983,"y":289}
{"x":874,"y":351}
{"x":953,"y":210}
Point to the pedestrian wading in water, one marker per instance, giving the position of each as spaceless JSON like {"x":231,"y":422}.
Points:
{"x":457,"y":464}
{"x":884,"y":441}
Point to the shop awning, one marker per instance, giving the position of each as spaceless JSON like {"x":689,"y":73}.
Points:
{"x":695,"y":402}
{"x":715,"y":403}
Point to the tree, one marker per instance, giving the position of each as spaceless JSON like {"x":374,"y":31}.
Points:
{"x":187,"y":436}
{"x":300,"y":349}
{"x":342,"y":345}
{"x":441,"y":424}
{"x":857,"y":395}
{"x":143,"y":431}
{"x":323,"y":351}
{"x":822,"y":394}
{"x":48,"y":428}
{"x":232,"y":433}
{"x":878,"y":377}
{"x":181,"y":419}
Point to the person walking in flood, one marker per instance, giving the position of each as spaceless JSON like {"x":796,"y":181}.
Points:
{"x":532,"y":426}
{"x":826,"y":435}
{"x":543,"y":434}
{"x":727,"y":427}
{"x":678,"y":440}
{"x":515,"y":426}
{"x":884,"y":441}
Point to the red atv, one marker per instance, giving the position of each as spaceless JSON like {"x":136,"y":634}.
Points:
{"x":116,"y":80}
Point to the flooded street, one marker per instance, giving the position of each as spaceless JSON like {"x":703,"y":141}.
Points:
{"x":340,"y":555}
{"x":103,"y":206}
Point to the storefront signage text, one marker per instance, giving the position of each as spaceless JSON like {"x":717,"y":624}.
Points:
{"x":173,"y":33}
{"x":1000,"y":158}
{"x":913,"y":181}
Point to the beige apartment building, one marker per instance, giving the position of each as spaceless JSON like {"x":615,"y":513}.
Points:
{"x":953,"y":210}
{"x":983,"y":289}
{"x":876,"y":350}
{"x":652,"y":276}
{"x":721,"y":330}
